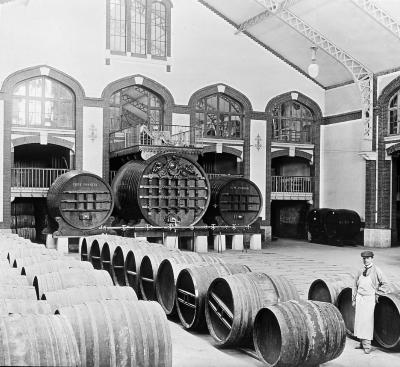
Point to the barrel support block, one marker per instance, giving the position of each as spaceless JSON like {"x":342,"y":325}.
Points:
{"x":255,"y":241}
{"x":200,"y":244}
{"x":377,"y":237}
{"x":237,"y":242}
{"x":171,"y":242}
{"x":219,"y":242}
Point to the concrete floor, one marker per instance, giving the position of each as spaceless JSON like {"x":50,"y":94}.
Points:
{"x":299,"y":261}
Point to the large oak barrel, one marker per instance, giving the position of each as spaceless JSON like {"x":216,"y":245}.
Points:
{"x":191,"y":290}
{"x":327,"y":289}
{"x":165,"y":189}
{"x":44,"y":283}
{"x":121,"y":333}
{"x":299,"y":333}
{"x":342,"y":225}
{"x":236,"y":200}
{"x":82,"y":199}
{"x":77,"y":295}
{"x":387,"y":321}
{"x":316,"y":224}
{"x":344,"y":304}
{"x":17,"y":292}
{"x":37,"y":340}
{"x":167,"y":275}
{"x":234,"y":300}
{"x":24,"y":306}
{"x":30,"y":271}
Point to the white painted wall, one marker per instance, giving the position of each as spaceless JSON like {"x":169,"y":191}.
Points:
{"x":343,"y":99}
{"x":342,"y":167}
{"x":70,"y":35}
{"x":1,"y":160}
{"x":93,"y":140}
{"x":258,"y":173}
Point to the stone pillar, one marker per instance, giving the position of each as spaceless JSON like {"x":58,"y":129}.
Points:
{"x":219,"y":242}
{"x":171,"y":242}
{"x":200,"y":244}
{"x":237,"y":242}
{"x":255,"y":241}
{"x":50,"y":242}
{"x":62,"y":245}
{"x":377,"y":237}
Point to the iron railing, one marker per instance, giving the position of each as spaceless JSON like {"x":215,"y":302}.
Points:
{"x":35,"y":177}
{"x":153,"y":134}
{"x":292,"y":184}
{"x":292,"y":136}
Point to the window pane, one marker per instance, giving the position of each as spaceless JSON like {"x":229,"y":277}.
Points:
{"x":35,"y":87}
{"x":35,"y":112}
{"x":48,"y":113}
{"x":18,"y":114}
{"x":117,"y":25}
{"x":20,"y":90}
{"x":56,"y":90}
{"x":393,"y":101}
{"x":158,"y":30}
{"x":138,"y":26}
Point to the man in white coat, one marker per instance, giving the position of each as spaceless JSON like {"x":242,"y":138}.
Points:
{"x":369,"y":282}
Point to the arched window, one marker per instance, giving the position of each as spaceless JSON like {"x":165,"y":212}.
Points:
{"x":292,"y":122}
{"x":140,"y":27}
{"x":135,"y":106}
{"x":394,"y":113}
{"x":43,"y":103}
{"x":219,"y":116}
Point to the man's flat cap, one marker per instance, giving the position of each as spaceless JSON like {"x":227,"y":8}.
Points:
{"x":367,"y":254}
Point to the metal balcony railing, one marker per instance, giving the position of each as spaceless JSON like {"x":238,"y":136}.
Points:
{"x":300,"y":184}
{"x":35,"y":177}
{"x":153,"y":134}
{"x":292,"y":136}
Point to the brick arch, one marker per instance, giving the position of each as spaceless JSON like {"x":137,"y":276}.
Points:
{"x":143,"y":81}
{"x":229,"y":91}
{"x":43,"y":70}
{"x":225,"y":149}
{"x":393,"y":149}
{"x":285,"y":152}
{"x":383,"y":105}
{"x":35,"y":139}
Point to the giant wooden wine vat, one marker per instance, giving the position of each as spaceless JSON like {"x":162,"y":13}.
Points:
{"x":167,"y":188}
{"x":235,"y":200}
{"x":82,"y":199}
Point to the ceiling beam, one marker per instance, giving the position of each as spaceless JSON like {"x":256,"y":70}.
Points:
{"x":270,"y":4}
{"x":380,"y":16}
{"x":361,"y":75}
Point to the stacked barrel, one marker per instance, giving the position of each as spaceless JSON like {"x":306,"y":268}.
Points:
{"x":229,"y":300}
{"x":57,"y":311}
{"x":23,"y":220}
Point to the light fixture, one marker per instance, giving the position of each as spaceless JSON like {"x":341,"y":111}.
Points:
{"x":313,"y":68}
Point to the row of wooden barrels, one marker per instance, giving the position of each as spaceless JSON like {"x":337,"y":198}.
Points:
{"x":240,"y":308}
{"x":337,"y":289}
{"x":59,"y":311}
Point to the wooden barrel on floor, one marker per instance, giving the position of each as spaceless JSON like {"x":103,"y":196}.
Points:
{"x":29,"y":252}
{"x":20,"y":262}
{"x":145,"y":339}
{"x":74,"y":296}
{"x":17,"y":292}
{"x":107,"y":256}
{"x":37,"y":340}
{"x":70,"y":278}
{"x":24,"y":306}
{"x":233,"y":300}
{"x":191,"y":290}
{"x":387,"y":321}
{"x":12,"y":276}
{"x":94,"y":254}
{"x":344,"y":304}
{"x":53,"y":266}
{"x":132,"y":263}
{"x":299,"y":333}
{"x":327,"y":288}
{"x":167,"y":275}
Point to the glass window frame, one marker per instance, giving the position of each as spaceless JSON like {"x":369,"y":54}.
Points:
{"x":152,"y":36}
{"x":225,"y":127}
{"x":394,"y":126}
{"x":41,"y":101}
